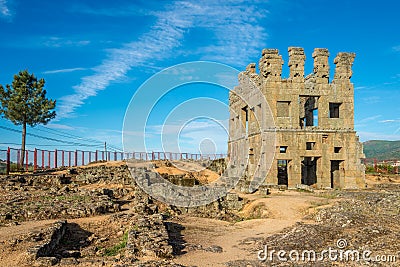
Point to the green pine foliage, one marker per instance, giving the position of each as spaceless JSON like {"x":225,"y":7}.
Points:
{"x":24,"y":103}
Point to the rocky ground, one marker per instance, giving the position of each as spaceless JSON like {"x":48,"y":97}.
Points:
{"x":111,"y":222}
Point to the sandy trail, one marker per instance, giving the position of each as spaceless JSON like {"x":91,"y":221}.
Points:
{"x":285,"y":209}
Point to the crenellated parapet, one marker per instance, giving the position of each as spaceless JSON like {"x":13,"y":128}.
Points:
{"x":270,"y":65}
{"x":271,"y":62}
{"x":321,"y":65}
{"x":296,"y":63}
{"x":344,"y":62}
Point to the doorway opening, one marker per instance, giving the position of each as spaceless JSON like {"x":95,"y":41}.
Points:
{"x":335,"y":173}
{"x":309,"y":170}
{"x":283,"y":172}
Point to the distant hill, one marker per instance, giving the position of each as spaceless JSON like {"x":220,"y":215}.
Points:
{"x":382,"y":150}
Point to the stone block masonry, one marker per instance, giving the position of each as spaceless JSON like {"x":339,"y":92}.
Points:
{"x":316,"y":144}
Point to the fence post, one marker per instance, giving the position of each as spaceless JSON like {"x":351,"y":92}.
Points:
{"x":34,"y":159}
{"x":62,"y":155}
{"x":8,"y":161}
{"x":49,"y":159}
{"x":55,"y":158}
{"x":90,"y":156}
{"x":76,"y":158}
{"x":42,"y":159}
{"x":83,"y":158}
{"x":95,"y":156}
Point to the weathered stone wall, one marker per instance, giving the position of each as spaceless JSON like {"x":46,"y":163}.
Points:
{"x":148,"y":237}
{"x":38,"y":197}
{"x":313,"y":121}
{"x":223,"y":208}
{"x":43,"y":252}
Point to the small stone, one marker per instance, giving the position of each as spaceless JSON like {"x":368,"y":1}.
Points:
{"x":103,"y":239}
{"x":214,"y":249}
{"x":120,"y":233}
{"x":69,"y":261}
{"x":46,"y":261}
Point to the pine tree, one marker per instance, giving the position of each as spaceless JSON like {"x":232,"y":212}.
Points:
{"x":25,"y":103}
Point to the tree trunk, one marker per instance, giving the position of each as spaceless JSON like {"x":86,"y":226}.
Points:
{"x":21,"y":163}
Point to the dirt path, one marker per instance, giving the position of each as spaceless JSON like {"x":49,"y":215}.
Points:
{"x":284,"y":209}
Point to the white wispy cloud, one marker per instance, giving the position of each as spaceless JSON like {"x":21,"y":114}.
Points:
{"x":365,"y":136}
{"x":60,"y":126}
{"x":124,"y":11}
{"x":371,"y":118}
{"x":396,"y":48}
{"x":56,"y":42}
{"x":63,"y":70}
{"x":4,"y":9}
{"x":390,"y":121}
{"x":372,"y":99}
{"x":366,"y":121}
{"x":360,"y":87}
{"x":233,"y":25}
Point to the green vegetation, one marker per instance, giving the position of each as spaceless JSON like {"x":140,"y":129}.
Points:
{"x":369,"y":169}
{"x":382,"y":150}
{"x":113,"y":251}
{"x":24,"y":103}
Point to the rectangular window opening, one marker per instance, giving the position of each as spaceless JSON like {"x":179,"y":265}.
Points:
{"x":324,"y":138}
{"x":337,"y":149}
{"x":334,"y":109}
{"x":310,"y":145}
{"x":282,"y":149}
{"x":315,"y":117}
{"x":308,"y":112}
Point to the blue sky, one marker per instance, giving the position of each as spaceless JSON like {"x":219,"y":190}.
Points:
{"x":94,"y":55}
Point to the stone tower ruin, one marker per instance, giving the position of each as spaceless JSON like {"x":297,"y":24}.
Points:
{"x":311,"y":118}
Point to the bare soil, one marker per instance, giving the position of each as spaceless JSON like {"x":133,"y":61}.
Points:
{"x":284,"y":219}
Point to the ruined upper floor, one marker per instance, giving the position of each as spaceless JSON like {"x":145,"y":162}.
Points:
{"x":299,"y":101}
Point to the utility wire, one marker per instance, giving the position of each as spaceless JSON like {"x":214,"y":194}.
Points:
{"x":48,"y":138}
{"x":82,"y":138}
{"x":68,"y":135}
